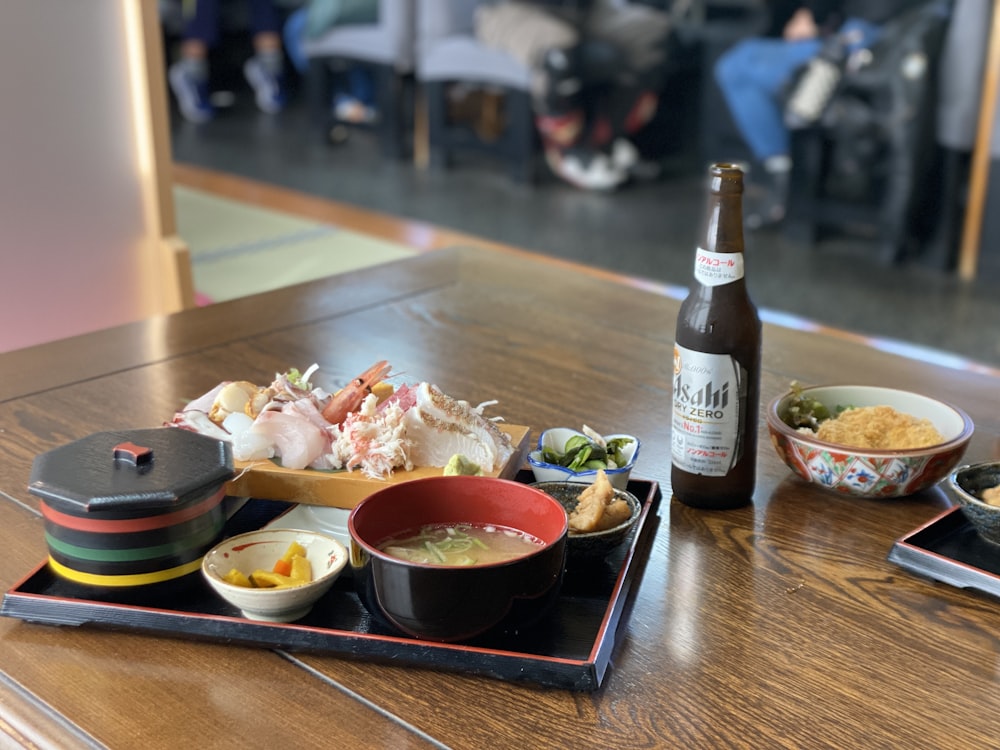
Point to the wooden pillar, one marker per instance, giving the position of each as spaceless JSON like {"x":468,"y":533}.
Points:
{"x":968,"y":258}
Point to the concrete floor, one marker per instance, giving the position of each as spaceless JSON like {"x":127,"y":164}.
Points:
{"x":647,"y":229}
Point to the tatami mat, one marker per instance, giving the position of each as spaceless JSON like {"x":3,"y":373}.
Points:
{"x":238,"y":249}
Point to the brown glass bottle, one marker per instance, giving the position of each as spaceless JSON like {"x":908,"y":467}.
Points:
{"x":716,"y":375}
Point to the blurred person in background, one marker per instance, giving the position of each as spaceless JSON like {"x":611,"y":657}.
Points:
{"x":597,"y":68}
{"x":190,"y":76}
{"x":756,"y":72}
{"x":354,"y":92}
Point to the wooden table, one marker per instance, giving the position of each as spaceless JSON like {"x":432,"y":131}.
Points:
{"x":777,"y":625}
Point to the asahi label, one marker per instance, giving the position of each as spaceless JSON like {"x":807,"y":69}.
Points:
{"x":716,"y":269}
{"x":710,"y":392}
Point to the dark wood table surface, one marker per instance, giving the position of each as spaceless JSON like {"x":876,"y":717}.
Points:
{"x":777,"y":625}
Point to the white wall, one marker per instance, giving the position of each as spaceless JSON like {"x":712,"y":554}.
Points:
{"x":75,"y":217}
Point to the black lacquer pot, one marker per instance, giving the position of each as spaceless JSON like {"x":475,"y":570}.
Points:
{"x":132,"y":508}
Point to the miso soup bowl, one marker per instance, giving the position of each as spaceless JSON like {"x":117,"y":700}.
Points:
{"x":460,"y":602}
{"x":868,"y":473}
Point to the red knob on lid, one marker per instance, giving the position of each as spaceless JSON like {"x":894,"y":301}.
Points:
{"x":133,"y":454}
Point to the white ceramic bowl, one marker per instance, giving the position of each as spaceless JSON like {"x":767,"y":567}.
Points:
{"x":863,"y":472}
{"x":555,"y":439}
{"x":259,"y":550}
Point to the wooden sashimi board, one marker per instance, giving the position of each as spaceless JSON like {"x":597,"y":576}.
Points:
{"x":265,"y":480}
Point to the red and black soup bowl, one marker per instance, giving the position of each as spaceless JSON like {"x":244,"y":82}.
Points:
{"x":132,"y":508}
{"x":457,"y":602}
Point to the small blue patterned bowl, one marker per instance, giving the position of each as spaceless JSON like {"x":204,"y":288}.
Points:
{"x":555,"y":439}
{"x":967,"y":484}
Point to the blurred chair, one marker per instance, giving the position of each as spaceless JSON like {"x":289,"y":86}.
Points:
{"x":960,"y":98}
{"x":708,"y":31}
{"x":449,"y":53}
{"x":870,"y":163}
{"x":387,"y":48}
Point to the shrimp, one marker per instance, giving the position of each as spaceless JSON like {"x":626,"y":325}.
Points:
{"x":349,"y":398}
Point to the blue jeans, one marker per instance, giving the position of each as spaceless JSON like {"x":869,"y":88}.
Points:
{"x":294,"y":35}
{"x":201,"y":19}
{"x":752,"y":74}
{"x":359,"y":80}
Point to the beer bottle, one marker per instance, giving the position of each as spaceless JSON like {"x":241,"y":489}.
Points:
{"x":716,"y":386}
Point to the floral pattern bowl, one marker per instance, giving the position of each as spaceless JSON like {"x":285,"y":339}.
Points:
{"x":869,"y":473}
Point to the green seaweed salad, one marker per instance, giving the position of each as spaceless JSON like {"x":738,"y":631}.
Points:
{"x":805,"y":411}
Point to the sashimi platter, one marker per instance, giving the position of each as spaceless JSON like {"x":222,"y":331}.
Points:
{"x":296,"y":442}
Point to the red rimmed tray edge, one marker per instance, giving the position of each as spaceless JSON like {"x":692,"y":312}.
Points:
{"x":923,"y":560}
{"x":547,"y":670}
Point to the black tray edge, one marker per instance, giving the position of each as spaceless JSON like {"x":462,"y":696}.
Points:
{"x":914,"y":552}
{"x":548,"y":671}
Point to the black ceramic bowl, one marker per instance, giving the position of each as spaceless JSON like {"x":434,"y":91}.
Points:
{"x":457,"y":602}
{"x":592,"y":543}
{"x":967,"y":484}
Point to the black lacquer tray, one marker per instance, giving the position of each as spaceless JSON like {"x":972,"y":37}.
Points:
{"x":571,"y":648}
{"x":948,"y":549}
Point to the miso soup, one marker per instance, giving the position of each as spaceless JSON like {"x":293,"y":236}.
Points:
{"x":461,"y":544}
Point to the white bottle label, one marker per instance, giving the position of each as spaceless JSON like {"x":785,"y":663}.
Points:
{"x":716,"y":269}
{"x":710,"y":392}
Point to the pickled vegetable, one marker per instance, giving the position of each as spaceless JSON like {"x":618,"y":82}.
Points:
{"x":582,"y":453}
{"x":237,"y":578}
{"x":291,"y":569}
{"x":803,"y":410}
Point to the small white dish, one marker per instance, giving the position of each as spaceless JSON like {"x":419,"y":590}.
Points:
{"x":259,"y":550}
{"x":555,"y":439}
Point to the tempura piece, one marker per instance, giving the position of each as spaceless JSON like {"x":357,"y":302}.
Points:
{"x":991,"y":495}
{"x":598,"y":508}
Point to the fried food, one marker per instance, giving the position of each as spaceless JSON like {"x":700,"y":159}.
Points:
{"x":991,"y":495}
{"x":880,"y":428}
{"x":598,"y":508}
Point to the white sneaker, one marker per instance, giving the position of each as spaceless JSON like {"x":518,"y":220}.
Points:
{"x":597,"y":172}
{"x":624,"y":154}
{"x":191,"y":91}
{"x":267,"y":86}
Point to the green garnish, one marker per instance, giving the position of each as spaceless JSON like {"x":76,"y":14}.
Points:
{"x":459,"y":465}
{"x":297,"y":380}
{"x":804,"y":411}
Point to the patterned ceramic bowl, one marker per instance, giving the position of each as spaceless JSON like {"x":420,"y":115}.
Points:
{"x":967,"y":484}
{"x":864,"y":472}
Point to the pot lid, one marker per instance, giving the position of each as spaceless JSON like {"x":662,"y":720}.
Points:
{"x":155,"y":470}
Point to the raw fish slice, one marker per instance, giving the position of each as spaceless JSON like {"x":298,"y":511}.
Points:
{"x":307,"y":409}
{"x":440,"y":424}
{"x":434,"y":442}
{"x":298,"y":442}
